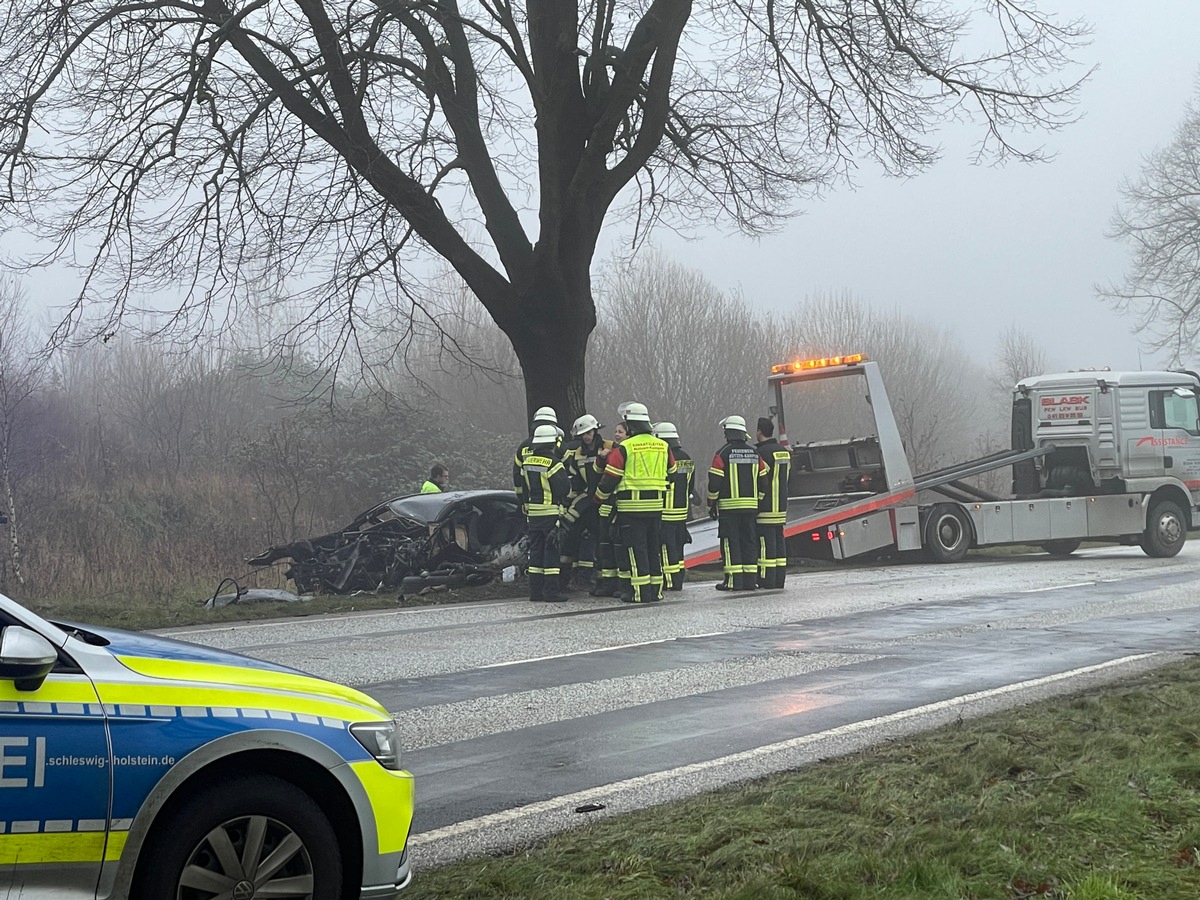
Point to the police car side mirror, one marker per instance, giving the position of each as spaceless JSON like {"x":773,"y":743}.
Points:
{"x":26,"y":657}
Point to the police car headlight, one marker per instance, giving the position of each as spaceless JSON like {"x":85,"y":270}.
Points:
{"x":381,"y":740}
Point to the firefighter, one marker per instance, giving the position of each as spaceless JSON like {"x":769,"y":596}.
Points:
{"x":636,"y":478}
{"x":772,"y":508}
{"x":675,"y":512}
{"x":582,"y":518}
{"x":608,"y":577}
{"x":734,"y":489}
{"x":542,"y":486}
{"x":544,"y":416}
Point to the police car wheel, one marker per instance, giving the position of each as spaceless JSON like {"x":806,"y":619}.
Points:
{"x":252,"y":836}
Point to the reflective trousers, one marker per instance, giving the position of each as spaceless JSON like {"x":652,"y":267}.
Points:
{"x":673,"y":536}
{"x":640,"y":563}
{"x":772,"y":555}
{"x":543,"y":559}
{"x":739,"y":548}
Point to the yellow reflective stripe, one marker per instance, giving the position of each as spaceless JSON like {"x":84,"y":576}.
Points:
{"x":60,"y":847}
{"x":738,"y":503}
{"x":142,"y":700}
{"x":56,"y":689}
{"x":391,"y":796}
{"x":178,"y":670}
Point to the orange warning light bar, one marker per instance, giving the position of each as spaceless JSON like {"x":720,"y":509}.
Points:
{"x":825,"y":362}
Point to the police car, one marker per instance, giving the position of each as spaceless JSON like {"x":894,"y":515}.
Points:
{"x":141,"y":767}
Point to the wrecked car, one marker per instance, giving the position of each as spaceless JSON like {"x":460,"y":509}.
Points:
{"x":457,"y":537}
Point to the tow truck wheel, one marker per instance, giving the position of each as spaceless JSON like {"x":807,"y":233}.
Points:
{"x":249,"y":836}
{"x":1166,"y":530}
{"x":947,"y":534}
{"x":1065,"y":547}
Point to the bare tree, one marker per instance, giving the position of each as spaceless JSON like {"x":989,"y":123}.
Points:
{"x":22,"y":372}
{"x":1160,"y":222}
{"x":223,"y":144}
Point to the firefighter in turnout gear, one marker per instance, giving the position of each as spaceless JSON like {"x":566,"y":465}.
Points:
{"x":542,"y":487}
{"x":607,"y":543}
{"x":544,"y":416}
{"x":675,"y":511}
{"x":734,"y":489}
{"x":636,"y":478}
{"x":582,"y":518}
{"x":772,"y":508}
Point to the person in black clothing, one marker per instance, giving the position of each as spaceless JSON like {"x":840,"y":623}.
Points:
{"x":544,"y":416}
{"x":542,"y":485}
{"x":678,"y":505}
{"x":734,"y":489}
{"x":772,"y":508}
{"x":608,"y":545}
{"x":582,"y":518}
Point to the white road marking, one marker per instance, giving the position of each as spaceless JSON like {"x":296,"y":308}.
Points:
{"x":459,"y":829}
{"x":532,"y":659}
{"x":1057,"y":587}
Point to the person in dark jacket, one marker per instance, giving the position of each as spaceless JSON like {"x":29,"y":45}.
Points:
{"x":675,"y":511}
{"x":542,"y":484}
{"x":772,"y":508}
{"x":734,"y":489}
{"x":582,"y":517}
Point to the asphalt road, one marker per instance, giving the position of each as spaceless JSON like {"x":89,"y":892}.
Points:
{"x":518,"y":715}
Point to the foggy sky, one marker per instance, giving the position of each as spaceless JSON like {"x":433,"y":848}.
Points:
{"x":977,"y":248}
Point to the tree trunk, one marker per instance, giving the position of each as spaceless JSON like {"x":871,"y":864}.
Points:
{"x":551,"y":353}
{"x":13,"y":535}
{"x":550,"y":336}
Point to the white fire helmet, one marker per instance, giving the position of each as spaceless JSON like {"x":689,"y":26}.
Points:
{"x":546,"y":414}
{"x":584,"y":423}
{"x":665,"y":430}
{"x":733,"y":423}
{"x":545,"y":434}
{"x":637,"y":412}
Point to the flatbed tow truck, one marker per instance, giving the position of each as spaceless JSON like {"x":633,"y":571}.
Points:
{"x":1096,"y":455}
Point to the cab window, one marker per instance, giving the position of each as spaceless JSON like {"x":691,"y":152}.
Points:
{"x":1176,"y":409}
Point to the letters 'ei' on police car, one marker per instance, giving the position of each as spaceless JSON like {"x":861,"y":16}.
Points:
{"x":138,"y":766}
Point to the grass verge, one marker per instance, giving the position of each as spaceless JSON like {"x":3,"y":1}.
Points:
{"x":1090,"y":797}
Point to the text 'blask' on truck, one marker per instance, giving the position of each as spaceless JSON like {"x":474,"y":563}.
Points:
{"x":1096,"y":455}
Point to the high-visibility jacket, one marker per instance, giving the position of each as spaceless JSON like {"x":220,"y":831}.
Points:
{"x":431,"y":487}
{"x":580,"y":463}
{"x":733,"y":477}
{"x":543,"y":484}
{"x":772,"y":508}
{"x":636,"y":474}
{"x":679,"y":491}
{"x":526,"y":449}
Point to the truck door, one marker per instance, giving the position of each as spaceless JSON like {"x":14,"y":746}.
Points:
{"x":54,"y":777}
{"x":1175,"y":420}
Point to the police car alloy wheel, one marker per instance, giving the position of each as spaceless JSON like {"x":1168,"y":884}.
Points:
{"x":249,"y":837}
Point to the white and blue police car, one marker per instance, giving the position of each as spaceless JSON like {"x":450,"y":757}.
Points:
{"x":134,"y":766}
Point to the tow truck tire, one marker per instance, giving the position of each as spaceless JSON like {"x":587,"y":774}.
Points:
{"x":215,"y":841}
{"x":1166,"y":530}
{"x":1065,"y":547}
{"x":947,"y":534}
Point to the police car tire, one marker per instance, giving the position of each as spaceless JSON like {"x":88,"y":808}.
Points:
{"x":178,"y":841}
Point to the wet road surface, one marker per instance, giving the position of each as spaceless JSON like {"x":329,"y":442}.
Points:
{"x":516,"y":714}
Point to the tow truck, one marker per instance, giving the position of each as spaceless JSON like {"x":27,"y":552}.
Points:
{"x":1096,"y":455}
